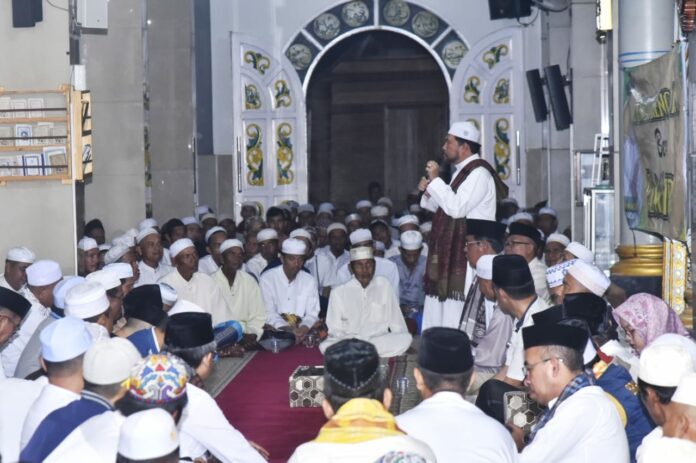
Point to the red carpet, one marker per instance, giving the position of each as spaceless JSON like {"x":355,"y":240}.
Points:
{"x":256,"y":402}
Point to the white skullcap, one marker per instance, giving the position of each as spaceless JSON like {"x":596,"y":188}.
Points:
{"x":147,"y":223}
{"x":466,"y":130}
{"x":590,"y":277}
{"x":97,"y":331}
{"x":21,"y":254}
{"x":144,"y":233}
{"x":179,"y":245}
{"x":509,"y":201}
{"x":87,"y":243}
{"x":361,"y":253}
{"x":148,"y":435}
{"x":294,"y":246}
{"x":664,"y":365}
{"x":63,"y":287}
{"x":352,"y":218}
{"x":43,"y":273}
{"x":667,"y":449}
{"x":484,"y":267}
{"x":675,"y":339}
{"x":223,"y":217}
{"x":86,"y":300}
{"x":213,"y":230}
{"x":411,"y":240}
{"x":250,"y":204}
{"x":189,"y":220}
{"x":325,"y":208}
{"x":548,"y":211}
{"x":395,"y":222}
{"x":104,"y":247}
{"x":266,"y":234}
{"x":426,"y":227}
{"x":580,"y":251}
{"x":558,"y":238}
{"x":520,"y":216}
{"x":300,"y":233}
{"x":123,"y":240}
{"x":363,"y":203}
{"x":229,"y":244}
{"x":360,"y":236}
{"x":379,"y":211}
{"x":121,"y":270}
{"x":131,"y":233}
{"x":336,"y":226}
{"x":686,"y":391}
{"x":305,"y":208}
{"x":168,"y":294}
{"x":556,"y":273}
{"x":184,"y":306}
{"x":64,"y":339}
{"x":202,"y":209}
{"x":414,"y":208}
{"x":384,"y":201}
{"x":107,"y":279}
{"x":115,"y":253}
{"x":208,"y":215}
{"x":407,"y":219}
{"x":109,"y":361}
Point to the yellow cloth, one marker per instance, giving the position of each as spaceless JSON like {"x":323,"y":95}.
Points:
{"x":359,"y":420}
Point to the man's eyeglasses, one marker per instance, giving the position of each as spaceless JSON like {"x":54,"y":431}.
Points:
{"x":527,"y":369}
{"x":512,"y":244}
{"x":471,"y":243}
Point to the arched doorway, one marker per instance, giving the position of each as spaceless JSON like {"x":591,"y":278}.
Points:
{"x":377,"y":108}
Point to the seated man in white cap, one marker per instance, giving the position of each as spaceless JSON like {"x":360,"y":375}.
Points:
{"x":150,"y":435}
{"x":363,"y":207}
{"x":411,"y":266}
{"x":150,"y":251}
{"x":87,"y":256}
{"x":267,"y":240}
{"x":582,"y":277}
{"x":410,"y":222}
{"x":575,"y":250}
{"x":16,"y":263}
{"x":241,"y":292}
{"x":213,"y":239}
{"x":289,"y":294}
{"x":208,"y":220}
{"x":353,"y":222}
{"x":381,"y":231}
{"x":554,"y":248}
{"x":108,"y":278}
{"x":305,"y":215}
{"x":194,"y":232}
{"x":123,"y":254}
{"x":555,"y":276}
{"x":366,"y":308}
{"x":13,"y":310}
{"x":332,"y":257}
{"x":547,"y":220}
{"x":106,"y":367}
{"x":42,"y":277}
{"x":189,"y":283}
{"x":63,"y":345}
{"x":88,"y":301}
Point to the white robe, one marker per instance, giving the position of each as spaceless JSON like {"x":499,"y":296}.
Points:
{"x":363,"y":452}
{"x":585,"y":428}
{"x":201,"y":290}
{"x":149,"y":275}
{"x":328,"y":266}
{"x":298,"y":297}
{"x":16,"y":397}
{"x":371,"y":314}
{"x":256,"y":265}
{"x":514,"y":358}
{"x":458,"y":431}
{"x":383,"y":267}
{"x":207,"y":265}
{"x":538,"y":270}
{"x":51,"y":398}
{"x":12,"y":351}
{"x":244,"y":302}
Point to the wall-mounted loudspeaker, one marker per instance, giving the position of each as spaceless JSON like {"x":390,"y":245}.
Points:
{"x":536,"y":92}
{"x":556,"y":82}
{"x":26,"y":13}
{"x":500,"y":9}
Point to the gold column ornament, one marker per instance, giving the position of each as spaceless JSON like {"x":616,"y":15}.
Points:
{"x":643,"y":260}
{"x":674,"y":275}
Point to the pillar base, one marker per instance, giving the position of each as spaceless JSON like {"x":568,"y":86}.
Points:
{"x":639,"y":269}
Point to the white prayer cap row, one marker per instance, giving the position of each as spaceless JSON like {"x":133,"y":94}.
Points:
{"x":484,"y":267}
{"x":43,"y":273}
{"x":686,"y":391}
{"x":202,"y":209}
{"x":353,"y":218}
{"x":122,"y":270}
{"x":87,"y":244}
{"x":360,"y":236}
{"x":86,"y":300}
{"x":144,"y":233}
{"x":426,"y":227}
{"x":109,"y":361}
{"x":384,"y":201}
{"x":104,"y":247}
{"x":305,"y":208}
{"x":115,"y":253}
{"x":664,"y":364}
{"x":520,"y":216}
{"x":336,"y":226}
{"x":266,"y":234}
{"x":169,"y":295}
{"x":127,"y":239}
{"x":63,"y":287}
{"x":363,"y":203}
{"x":580,"y":251}
{"x":379,"y":211}
{"x":184,"y":306}
{"x":105,"y":278}
{"x":148,"y":435}
{"x":411,"y":240}
{"x":361,"y":253}
{"x":590,"y":277}
{"x":407,"y":219}
{"x":189,"y":220}
{"x":21,"y":254}
{"x":208,"y":215}
{"x":214,"y":230}
{"x":294,"y":247}
{"x":559,"y":238}
{"x":64,"y":339}
{"x":465,"y":130}
{"x":147,"y":223}
{"x":556,"y":273}
{"x":300,"y":233}
{"x":229,"y":244}
{"x":326,"y":208}
{"x":548,"y":211}
{"x":179,"y":245}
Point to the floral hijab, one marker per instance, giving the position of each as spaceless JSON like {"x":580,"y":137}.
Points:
{"x":650,"y":316}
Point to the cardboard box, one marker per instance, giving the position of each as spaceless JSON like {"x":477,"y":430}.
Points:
{"x":306,"y":386}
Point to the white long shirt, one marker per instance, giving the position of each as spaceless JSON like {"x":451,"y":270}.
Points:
{"x":362,"y":452}
{"x":475,"y":198}
{"x":149,"y":275}
{"x":538,"y":270}
{"x":515,"y":353}
{"x":244,"y":302}
{"x":371,"y":314}
{"x":207,"y":265}
{"x":298,"y":297}
{"x":383,"y":268}
{"x":16,"y":397}
{"x":585,"y":428}
{"x":458,"y":431}
{"x":327,"y":266}
{"x":51,"y":398}
{"x":201,"y":289}
{"x":11,"y":353}
{"x":256,"y":265}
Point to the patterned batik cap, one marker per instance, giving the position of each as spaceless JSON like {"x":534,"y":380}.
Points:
{"x":158,"y":379}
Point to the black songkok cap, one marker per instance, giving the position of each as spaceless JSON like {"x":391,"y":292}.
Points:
{"x":445,"y":351}
{"x":555,"y":335}
{"x":485,"y":228}
{"x":517,"y":228}
{"x":351,"y":363}
{"x":511,"y":271}
{"x":14,"y":302}
{"x":189,"y":329}
{"x":144,"y":303}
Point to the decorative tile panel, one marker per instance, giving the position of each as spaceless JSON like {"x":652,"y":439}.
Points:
{"x":494,"y":55}
{"x":284,"y":154}
{"x":254,"y":155}
{"x":502,"y":147}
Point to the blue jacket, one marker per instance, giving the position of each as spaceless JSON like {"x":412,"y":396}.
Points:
{"x":145,"y":342}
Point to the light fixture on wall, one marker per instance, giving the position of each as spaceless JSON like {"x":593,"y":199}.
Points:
{"x":555,"y":82}
{"x":604,"y":20}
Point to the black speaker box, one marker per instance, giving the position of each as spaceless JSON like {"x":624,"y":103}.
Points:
{"x":26,"y":13}
{"x":536,"y":92}
{"x":500,"y":9}
{"x":557,"y":95}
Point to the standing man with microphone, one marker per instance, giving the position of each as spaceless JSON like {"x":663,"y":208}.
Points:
{"x":471,"y":193}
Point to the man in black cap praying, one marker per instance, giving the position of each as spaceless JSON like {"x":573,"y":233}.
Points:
{"x":456,"y":430}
